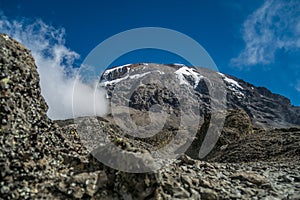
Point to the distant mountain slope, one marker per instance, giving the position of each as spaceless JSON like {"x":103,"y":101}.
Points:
{"x":264,"y":108}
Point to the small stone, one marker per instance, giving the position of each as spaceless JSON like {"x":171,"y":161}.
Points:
{"x":186,"y":179}
{"x":78,"y":193}
{"x":286,"y":179}
{"x":4,"y":189}
{"x":251,"y":177}
{"x":206,"y":193}
{"x":204,"y":183}
{"x":62,"y":187}
{"x":295,"y":196}
{"x":180,"y":192}
{"x":187,"y":160}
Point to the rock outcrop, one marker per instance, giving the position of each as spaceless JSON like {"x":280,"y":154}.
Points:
{"x":44,"y":159}
{"x":29,"y":140}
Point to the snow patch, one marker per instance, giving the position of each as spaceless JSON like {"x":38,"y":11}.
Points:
{"x":114,"y":81}
{"x":135,"y":76}
{"x":188,"y":72}
{"x":115,"y":68}
{"x":233,"y":85}
{"x":144,"y":74}
{"x":230,"y":81}
{"x":178,"y":64}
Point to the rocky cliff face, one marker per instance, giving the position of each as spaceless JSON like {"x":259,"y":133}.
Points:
{"x":29,"y":140}
{"x":44,"y":159}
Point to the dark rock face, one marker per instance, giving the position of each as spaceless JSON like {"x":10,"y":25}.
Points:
{"x":43,"y":159}
{"x":237,"y":126}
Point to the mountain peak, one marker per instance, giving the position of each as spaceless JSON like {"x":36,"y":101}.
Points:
{"x":264,"y":107}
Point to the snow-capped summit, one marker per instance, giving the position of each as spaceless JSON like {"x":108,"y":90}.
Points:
{"x":264,"y":107}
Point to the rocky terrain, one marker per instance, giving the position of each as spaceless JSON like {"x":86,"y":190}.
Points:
{"x":256,"y":156}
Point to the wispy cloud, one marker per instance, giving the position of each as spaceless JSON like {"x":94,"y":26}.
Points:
{"x":55,"y":66}
{"x":273,"y":26}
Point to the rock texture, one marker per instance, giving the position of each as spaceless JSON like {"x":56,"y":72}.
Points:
{"x":44,"y":159}
{"x":27,"y":135}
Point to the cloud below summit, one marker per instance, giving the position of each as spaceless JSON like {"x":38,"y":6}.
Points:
{"x":55,"y":66}
{"x":273,"y":26}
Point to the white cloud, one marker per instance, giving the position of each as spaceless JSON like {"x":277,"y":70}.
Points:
{"x":54,"y":64}
{"x":273,"y":26}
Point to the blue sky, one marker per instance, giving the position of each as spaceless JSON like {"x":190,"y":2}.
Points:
{"x":258,"y":41}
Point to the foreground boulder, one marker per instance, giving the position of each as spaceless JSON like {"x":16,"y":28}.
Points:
{"x":28,"y":137}
{"x":43,"y":159}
